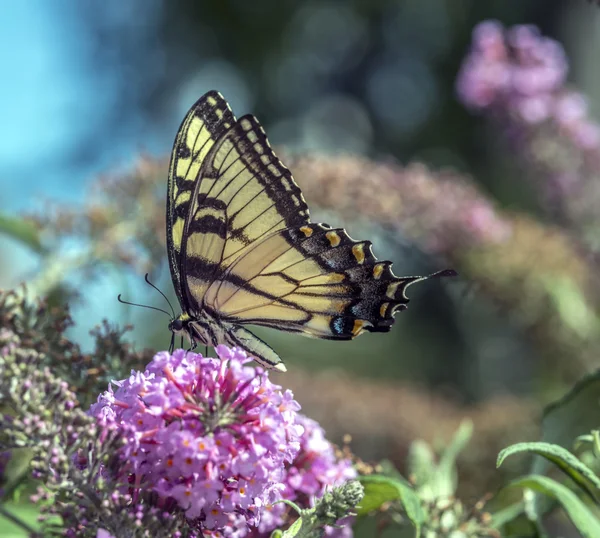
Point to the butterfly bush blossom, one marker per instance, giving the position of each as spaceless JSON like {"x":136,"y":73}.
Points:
{"x":215,"y":438}
{"x":314,"y":470}
{"x":518,"y":78}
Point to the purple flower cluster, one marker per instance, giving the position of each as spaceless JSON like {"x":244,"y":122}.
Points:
{"x":315,"y":469}
{"x":218,"y":440}
{"x":518,"y":78}
{"x":523,"y":72}
{"x":213,"y":435}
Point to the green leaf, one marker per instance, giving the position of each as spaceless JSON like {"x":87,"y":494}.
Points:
{"x":572,"y":306}
{"x":381,"y":489}
{"x":446,"y":475}
{"x":386,"y":468}
{"x":421,"y":464}
{"x":573,"y":415}
{"x":22,"y":230}
{"x":507,"y":514}
{"x":581,"y":516}
{"x":293,"y":530}
{"x":568,"y":463}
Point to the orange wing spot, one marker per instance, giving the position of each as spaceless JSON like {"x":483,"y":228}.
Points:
{"x":383,"y":309}
{"x":377,"y":270}
{"x":336,"y":278}
{"x":359,"y":252}
{"x":358,"y":326}
{"x":306,"y":230}
{"x":334,"y":238}
{"x":391,"y":290}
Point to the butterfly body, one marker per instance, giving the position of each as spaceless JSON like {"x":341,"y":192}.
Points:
{"x":243,"y":251}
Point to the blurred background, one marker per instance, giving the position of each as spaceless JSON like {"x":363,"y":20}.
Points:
{"x":351,"y":92}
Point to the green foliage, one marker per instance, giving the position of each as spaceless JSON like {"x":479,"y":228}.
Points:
{"x":382,"y":489}
{"x":333,"y":506}
{"x":581,"y":516}
{"x":564,"y":424}
{"x":23,"y":231}
{"x":573,"y":467}
{"x":428,"y":501}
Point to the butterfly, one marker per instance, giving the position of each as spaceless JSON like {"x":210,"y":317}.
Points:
{"x":243,"y":251}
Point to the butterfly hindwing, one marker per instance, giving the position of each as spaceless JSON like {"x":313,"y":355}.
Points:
{"x":314,"y":280}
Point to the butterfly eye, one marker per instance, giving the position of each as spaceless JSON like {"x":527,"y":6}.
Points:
{"x":176,"y":325}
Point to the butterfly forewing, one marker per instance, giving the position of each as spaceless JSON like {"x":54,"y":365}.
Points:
{"x":206,"y":123}
{"x":243,"y":195}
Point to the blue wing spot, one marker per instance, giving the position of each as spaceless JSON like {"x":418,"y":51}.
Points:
{"x":338,"y":325}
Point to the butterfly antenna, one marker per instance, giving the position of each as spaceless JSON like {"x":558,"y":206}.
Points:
{"x":159,"y":291}
{"x":142,"y":305}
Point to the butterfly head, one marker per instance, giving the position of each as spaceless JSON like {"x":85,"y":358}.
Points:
{"x":198,"y":330}
{"x":180,"y":325}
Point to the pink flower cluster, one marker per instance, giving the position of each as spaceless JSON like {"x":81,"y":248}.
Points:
{"x":216,"y":439}
{"x":314,"y":470}
{"x":524,"y":73}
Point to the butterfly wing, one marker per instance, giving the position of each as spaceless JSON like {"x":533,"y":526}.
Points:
{"x":206,"y":123}
{"x":313,"y":280}
{"x":244,"y":193}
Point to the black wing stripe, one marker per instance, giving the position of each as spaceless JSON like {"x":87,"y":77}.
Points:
{"x":233,"y":254}
{"x":219,"y":173}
